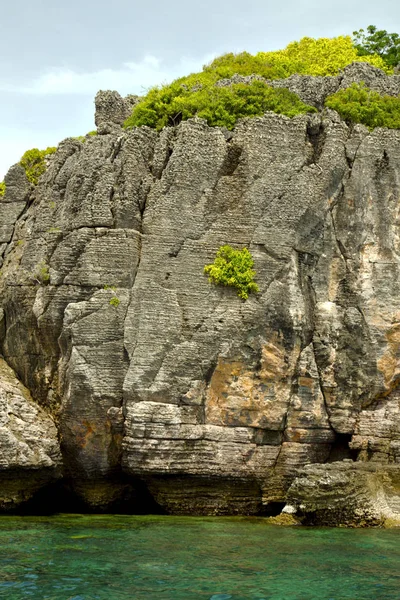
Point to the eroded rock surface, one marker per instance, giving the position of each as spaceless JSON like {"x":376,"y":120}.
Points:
{"x":158,"y":378}
{"x":346,"y":493}
{"x":30,"y":454}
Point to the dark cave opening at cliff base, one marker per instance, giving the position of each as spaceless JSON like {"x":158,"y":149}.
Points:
{"x":272,"y":509}
{"x":340,"y":449}
{"x":156,"y":495}
{"x":163,"y":495}
{"x":60,"y":497}
{"x":51,"y":499}
{"x":201,"y":495}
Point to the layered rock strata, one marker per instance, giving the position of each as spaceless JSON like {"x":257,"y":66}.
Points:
{"x":30,"y":456}
{"x":158,"y":380}
{"x":354,"y":494}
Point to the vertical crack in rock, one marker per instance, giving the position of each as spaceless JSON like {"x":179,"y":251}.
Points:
{"x":321,"y":387}
{"x":163,"y":151}
{"x":112,"y":206}
{"x":116,"y":149}
{"x":316,"y":135}
{"x":232,"y":159}
{"x":339,"y":243}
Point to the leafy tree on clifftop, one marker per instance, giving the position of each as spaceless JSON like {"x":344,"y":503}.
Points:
{"x":380,"y":42}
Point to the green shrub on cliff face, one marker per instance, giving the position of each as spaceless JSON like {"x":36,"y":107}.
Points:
{"x":234,"y":268}
{"x":220,"y":106}
{"x":115,"y":302}
{"x":359,"y":104}
{"x":2,"y":188}
{"x":34,"y":163}
{"x":41,"y":273}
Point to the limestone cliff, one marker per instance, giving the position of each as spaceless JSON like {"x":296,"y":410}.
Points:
{"x":164,"y":387}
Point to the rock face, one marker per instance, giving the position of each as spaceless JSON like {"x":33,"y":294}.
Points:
{"x":30,"y":454}
{"x":347,"y":493}
{"x":158,"y":380}
{"x":112,"y":110}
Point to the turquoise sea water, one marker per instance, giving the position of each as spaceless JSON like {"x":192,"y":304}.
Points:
{"x":141,"y":558}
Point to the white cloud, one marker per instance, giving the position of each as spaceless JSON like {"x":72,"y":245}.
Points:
{"x":15,"y":142}
{"x":130,"y":78}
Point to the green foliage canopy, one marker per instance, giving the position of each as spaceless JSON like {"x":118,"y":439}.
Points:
{"x":244,"y":63}
{"x":34,"y":163}
{"x":309,"y":56}
{"x":220,"y":106}
{"x":359,"y":104}
{"x":378,"y":42}
{"x":198,"y":95}
{"x":234,"y":268}
{"x":318,"y":57}
{"x":2,"y":188}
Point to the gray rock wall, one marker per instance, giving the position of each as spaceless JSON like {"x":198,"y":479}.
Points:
{"x":157,"y":378}
{"x":30,"y":456}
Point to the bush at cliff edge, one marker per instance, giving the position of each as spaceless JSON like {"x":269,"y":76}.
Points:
{"x":219,"y":106}
{"x":359,"y":104}
{"x":34,"y":163}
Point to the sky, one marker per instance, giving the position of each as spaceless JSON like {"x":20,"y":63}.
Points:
{"x":56,"y":54}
